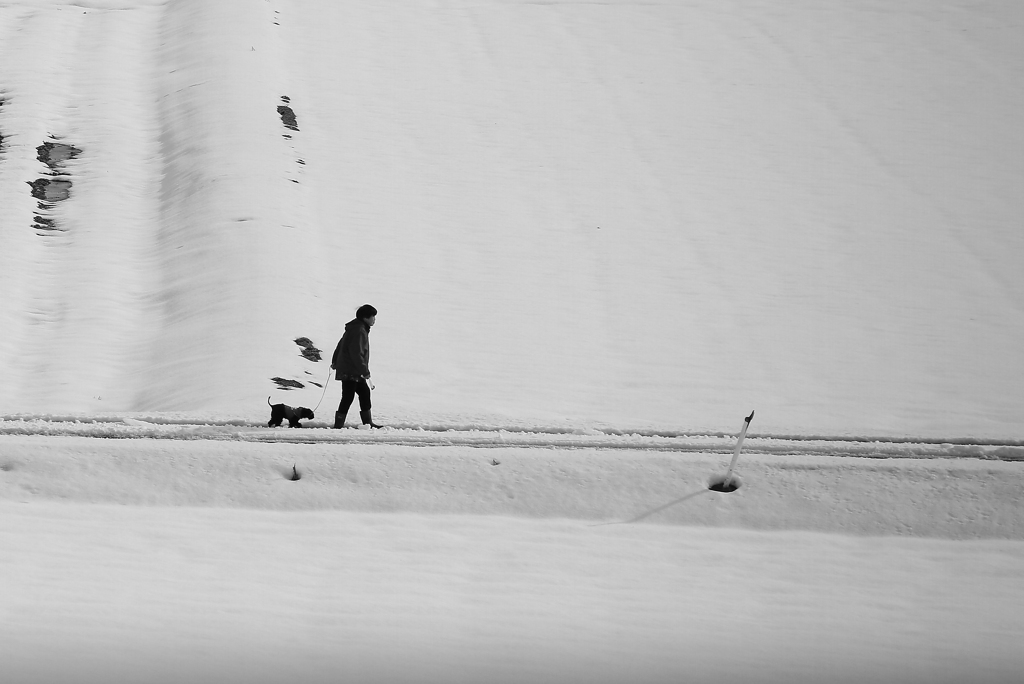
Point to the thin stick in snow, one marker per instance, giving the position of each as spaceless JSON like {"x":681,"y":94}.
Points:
{"x":725,"y":484}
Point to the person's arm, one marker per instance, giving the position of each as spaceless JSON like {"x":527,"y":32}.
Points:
{"x":364,"y":355}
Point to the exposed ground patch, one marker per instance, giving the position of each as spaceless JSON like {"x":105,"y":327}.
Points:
{"x":287,"y":114}
{"x":309,"y":350}
{"x":53,"y":189}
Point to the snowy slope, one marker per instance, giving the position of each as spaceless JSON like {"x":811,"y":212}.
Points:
{"x":622,"y":214}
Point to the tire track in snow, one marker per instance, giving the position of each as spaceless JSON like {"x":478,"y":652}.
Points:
{"x":507,"y":437}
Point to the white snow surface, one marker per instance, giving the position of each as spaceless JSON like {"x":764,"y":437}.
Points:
{"x":598,"y":235}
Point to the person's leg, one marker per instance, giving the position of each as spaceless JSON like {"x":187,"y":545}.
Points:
{"x":348,"y":394}
{"x":364,"y":404}
{"x":363,"y":390}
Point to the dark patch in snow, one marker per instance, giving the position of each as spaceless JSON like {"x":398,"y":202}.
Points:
{"x":50,"y":190}
{"x":309,"y":350}
{"x":287,"y":473}
{"x":286,"y":384}
{"x":6,"y":467}
{"x":56,"y":188}
{"x":288,"y":117}
{"x":54,"y":154}
{"x":719,"y":483}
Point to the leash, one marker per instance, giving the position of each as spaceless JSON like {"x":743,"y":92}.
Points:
{"x":330,"y":372}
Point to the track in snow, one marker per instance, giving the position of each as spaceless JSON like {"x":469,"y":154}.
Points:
{"x":495,"y":436}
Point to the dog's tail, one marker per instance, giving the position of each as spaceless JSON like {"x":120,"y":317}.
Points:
{"x":268,"y":402}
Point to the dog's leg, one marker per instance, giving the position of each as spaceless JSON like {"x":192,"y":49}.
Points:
{"x":276,"y":415}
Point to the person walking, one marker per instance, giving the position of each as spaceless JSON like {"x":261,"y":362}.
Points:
{"x":351,"y":362}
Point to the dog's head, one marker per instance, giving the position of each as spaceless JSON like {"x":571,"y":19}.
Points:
{"x":305,"y":413}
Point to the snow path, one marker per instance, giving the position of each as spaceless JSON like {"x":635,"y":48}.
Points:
{"x":469,"y":433}
{"x":159,"y":595}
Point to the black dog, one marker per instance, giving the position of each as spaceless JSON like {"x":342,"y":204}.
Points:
{"x":279,"y":412}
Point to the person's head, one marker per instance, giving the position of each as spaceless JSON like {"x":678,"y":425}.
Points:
{"x":367,"y":314}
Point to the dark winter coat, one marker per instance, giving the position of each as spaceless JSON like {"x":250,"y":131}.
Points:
{"x":352,"y":355}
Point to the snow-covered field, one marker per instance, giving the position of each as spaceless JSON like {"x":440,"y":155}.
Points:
{"x":598,"y":234}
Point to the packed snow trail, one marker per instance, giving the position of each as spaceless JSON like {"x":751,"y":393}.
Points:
{"x":502,"y":436}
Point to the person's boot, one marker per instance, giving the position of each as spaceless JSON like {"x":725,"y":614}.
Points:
{"x":339,"y":419}
{"x":368,"y":419}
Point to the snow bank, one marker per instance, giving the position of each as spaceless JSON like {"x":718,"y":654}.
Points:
{"x":937,"y":497}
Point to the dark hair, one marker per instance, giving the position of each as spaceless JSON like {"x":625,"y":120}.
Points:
{"x":365,"y":311}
